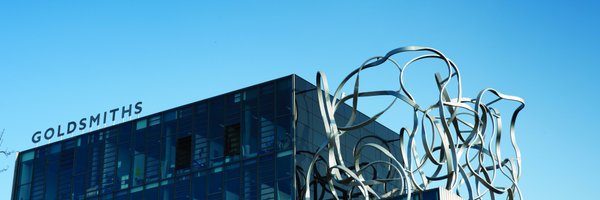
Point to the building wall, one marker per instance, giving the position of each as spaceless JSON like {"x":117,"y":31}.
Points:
{"x":232,"y":146}
{"x":240,"y":145}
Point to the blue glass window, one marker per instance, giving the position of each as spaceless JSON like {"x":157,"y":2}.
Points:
{"x":199,"y":185}
{"x":168,"y":157}
{"x":250,"y":133}
{"x":138,"y":170}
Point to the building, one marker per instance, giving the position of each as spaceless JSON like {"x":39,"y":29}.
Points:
{"x":253,"y":143}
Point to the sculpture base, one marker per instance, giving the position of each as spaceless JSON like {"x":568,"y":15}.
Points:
{"x":431,"y":194}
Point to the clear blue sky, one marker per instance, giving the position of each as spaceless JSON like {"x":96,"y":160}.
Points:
{"x":62,"y":61}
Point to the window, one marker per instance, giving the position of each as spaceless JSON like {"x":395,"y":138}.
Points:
{"x":141,"y":124}
{"x":185,"y":112}
{"x":216,"y":151}
{"x":26,"y":174}
{"x":232,"y":140}
{"x":200,"y":152}
{"x":183,"y":154}
{"x":26,"y":167}
{"x":232,"y":182}
{"x":215,"y":187}
{"x":284,"y":189}
{"x":64,"y":173}
{"x":182,"y":187}
{"x":267,"y":134}
{"x":266,"y":177}
{"x":284,"y":167}
{"x":170,"y":116}
{"x":152,"y":141}
{"x":237,"y":97}
{"x":199,"y":185}
{"x":154,"y":120}
{"x":123,"y":166}
{"x":284,"y":136}
{"x":166,"y":189}
{"x":250,"y":133}
{"x":284,"y":97}
{"x":250,"y":180}
{"x":138,"y":170}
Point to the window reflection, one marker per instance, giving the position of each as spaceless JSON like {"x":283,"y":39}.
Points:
{"x":234,"y":146}
{"x":138,"y":170}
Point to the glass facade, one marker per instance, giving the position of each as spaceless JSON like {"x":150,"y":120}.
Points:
{"x":310,"y":135}
{"x":247,"y":144}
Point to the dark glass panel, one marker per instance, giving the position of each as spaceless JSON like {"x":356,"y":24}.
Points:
{"x":284,"y":133}
{"x":170,"y":116}
{"x":200,"y":186}
{"x":69,"y":144}
{"x":250,"y":177}
{"x":65,"y":173}
{"x":79,"y":187}
{"x":110,"y":161}
{"x":185,"y":112}
{"x":201,"y":150}
{"x":216,"y":151}
{"x":232,"y":183}
{"x":51,"y":175}
{"x":284,"y":97}
{"x":250,"y":133}
{"x":232,"y":189}
{"x":121,"y":195}
{"x":169,"y":148}
{"x":267,"y":98}
{"x":232,"y":106}
{"x":26,"y":168}
{"x":216,"y":112}
{"x":152,"y":154}
{"x":166,"y":190}
{"x":81,"y":155}
{"x":267,"y":89}
{"x":139,"y":141}
{"x":266,"y":177}
{"x":137,"y":193}
{"x":151,"y":192}
{"x":185,"y":124}
{"x":125,"y":132}
{"x":23,"y":192}
{"x":182,"y":187}
{"x":200,"y":160}
{"x":302,"y":85}
{"x":202,"y":115}
{"x":432,"y":194}
{"x":284,"y":166}
{"x":183,"y":153}
{"x":216,"y":196}
{"x":267,"y":133}
{"x":123,"y":166}
{"x":153,"y":121}
{"x":55,"y":148}
{"x":108,"y":196}
{"x":95,"y":159}
{"x":138,"y":170}
{"x":232,"y":171}
{"x":169,"y":129}
{"x":284,"y":189}
{"x":250,"y":97}
{"x":215,"y":185}
{"x":232,"y":140}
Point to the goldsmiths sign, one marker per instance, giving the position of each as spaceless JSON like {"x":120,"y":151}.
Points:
{"x":88,"y":122}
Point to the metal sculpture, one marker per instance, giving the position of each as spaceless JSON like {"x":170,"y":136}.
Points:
{"x":468,"y":158}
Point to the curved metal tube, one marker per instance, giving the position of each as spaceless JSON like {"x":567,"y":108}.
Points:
{"x":466,"y":159}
